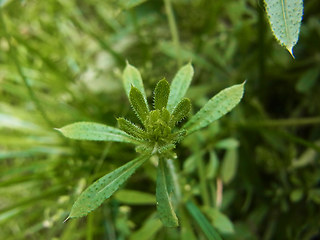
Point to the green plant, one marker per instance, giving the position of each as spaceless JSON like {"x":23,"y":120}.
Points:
{"x":156,"y":138}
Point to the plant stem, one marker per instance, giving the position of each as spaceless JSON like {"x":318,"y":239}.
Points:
{"x":173,"y":29}
{"x":13,"y":54}
{"x":287,"y":122}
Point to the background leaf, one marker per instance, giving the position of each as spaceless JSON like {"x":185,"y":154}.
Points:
{"x":285,"y":19}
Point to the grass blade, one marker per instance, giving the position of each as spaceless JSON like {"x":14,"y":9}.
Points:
{"x":202,"y":222}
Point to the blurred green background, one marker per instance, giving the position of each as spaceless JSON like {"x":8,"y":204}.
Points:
{"x":61,"y":62}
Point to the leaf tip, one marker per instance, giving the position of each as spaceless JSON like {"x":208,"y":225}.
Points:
{"x":58,"y":129}
{"x":66,"y":219}
{"x":290,"y":50}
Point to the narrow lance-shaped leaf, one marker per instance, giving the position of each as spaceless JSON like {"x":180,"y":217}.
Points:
{"x":95,"y":132}
{"x":164,"y":205}
{"x":103,"y":188}
{"x":138,"y":104}
{"x":132,"y":77}
{"x":285,"y":19}
{"x":161,"y":94}
{"x":216,"y":107}
{"x":179,"y":86}
{"x":131,"y":128}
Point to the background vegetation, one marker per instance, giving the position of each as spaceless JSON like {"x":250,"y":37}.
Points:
{"x":61,"y":62}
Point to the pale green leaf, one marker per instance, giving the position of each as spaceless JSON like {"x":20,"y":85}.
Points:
{"x":229,"y":166}
{"x":216,"y":107}
{"x":179,"y":86}
{"x":132,"y":197}
{"x":227,"y":143}
{"x":103,"y":188}
{"x":132,"y":77}
{"x":95,"y":132}
{"x":285,"y":19}
{"x":164,"y":203}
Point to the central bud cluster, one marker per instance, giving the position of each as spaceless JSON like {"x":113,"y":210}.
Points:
{"x":158,"y":134}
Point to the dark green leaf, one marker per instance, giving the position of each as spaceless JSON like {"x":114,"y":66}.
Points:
{"x":131,"y":128}
{"x":180,"y":111}
{"x":161,"y":94}
{"x":139,"y":104}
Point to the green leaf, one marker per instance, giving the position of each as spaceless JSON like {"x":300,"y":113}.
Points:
{"x":179,"y":86}
{"x":216,"y":107}
{"x":131,"y":128}
{"x":138,"y":104}
{"x":285,"y":19}
{"x":127,"y":4}
{"x":220,"y":221}
{"x":180,"y":111}
{"x":202,"y":222}
{"x":308,"y":80}
{"x":149,"y":228}
{"x":95,"y":132}
{"x":132,"y":197}
{"x":161,"y":94}
{"x":103,"y":188}
{"x":229,"y":166}
{"x":213,"y":166}
{"x":132,"y":77}
{"x":164,"y":204}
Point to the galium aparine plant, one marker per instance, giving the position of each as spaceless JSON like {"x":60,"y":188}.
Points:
{"x":157,"y":136}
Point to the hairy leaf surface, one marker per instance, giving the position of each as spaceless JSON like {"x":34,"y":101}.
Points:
{"x":95,"y":132}
{"x":179,"y":86}
{"x":161,"y":94}
{"x":285,"y":19}
{"x":216,"y":107}
{"x":103,"y":188}
{"x":138,"y":104}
